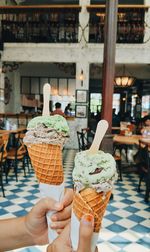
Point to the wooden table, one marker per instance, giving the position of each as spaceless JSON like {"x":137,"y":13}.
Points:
{"x":15,"y":131}
{"x":115,"y":128}
{"x":129,"y":140}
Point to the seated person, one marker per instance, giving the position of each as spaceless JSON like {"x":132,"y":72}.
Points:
{"x":146,"y":125}
{"x":68,"y":110}
{"x":58,"y":110}
{"x":1,"y":124}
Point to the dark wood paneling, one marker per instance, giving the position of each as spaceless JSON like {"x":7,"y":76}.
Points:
{"x":120,"y":1}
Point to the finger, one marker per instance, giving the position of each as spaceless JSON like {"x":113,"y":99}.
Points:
{"x":65,"y":235}
{"x":47,"y":204}
{"x":62,"y":242}
{"x":86,"y":231}
{"x":59,"y":224}
{"x":68,"y":197}
{"x":62,"y":215}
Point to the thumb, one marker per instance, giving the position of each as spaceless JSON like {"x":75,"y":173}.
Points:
{"x":86,"y":232}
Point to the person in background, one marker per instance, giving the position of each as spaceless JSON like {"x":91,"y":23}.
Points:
{"x":58,"y":110}
{"x":115,"y":119}
{"x":127,"y":117}
{"x":145,"y":125}
{"x":98,"y":116}
{"x":92,"y":123}
{"x":1,"y":124}
{"x":68,"y":110}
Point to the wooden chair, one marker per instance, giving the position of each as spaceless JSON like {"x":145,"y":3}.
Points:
{"x":119,"y":166}
{"x":1,"y":165}
{"x":120,"y":148}
{"x":107,"y":145}
{"x":5,"y":138}
{"x":117,"y":158}
{"x":144,"y":168}
{"x":15,"y":155}
{"x":26,"y":155}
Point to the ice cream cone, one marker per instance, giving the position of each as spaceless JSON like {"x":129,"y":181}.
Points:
{"x":88,"y":201}
{"x":47,"y":163}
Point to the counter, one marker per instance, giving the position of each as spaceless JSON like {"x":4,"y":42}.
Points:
{"x":75,"y":124}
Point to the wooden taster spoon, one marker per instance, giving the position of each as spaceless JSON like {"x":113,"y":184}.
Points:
{"x":46,"y":94}
{"x":101,"y":129}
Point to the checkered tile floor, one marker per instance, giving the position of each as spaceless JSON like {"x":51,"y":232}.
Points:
{"x":125,"y":227}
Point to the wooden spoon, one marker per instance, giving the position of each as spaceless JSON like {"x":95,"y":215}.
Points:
{"x":46,"y":95}
{"x":101,"y":129}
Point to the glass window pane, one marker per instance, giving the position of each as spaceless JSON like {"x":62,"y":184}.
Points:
{"x":43,"y":80}
{"x":34,"y":85}
{"x":116,"y":102}
{"x":95,"y":102}
{"x":71,"y":87}
{"x":63,"y":87}
{"x":25,"y":85}
{"x":54,"y":86}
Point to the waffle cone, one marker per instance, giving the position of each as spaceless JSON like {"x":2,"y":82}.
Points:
{"x":46,"y":160}
{"x":88,"y":201}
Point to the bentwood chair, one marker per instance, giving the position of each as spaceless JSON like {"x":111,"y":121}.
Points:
{"x":5,"y":138}
{"x":83,"y":142}
{"x":1,"y":165}
{"x":26,"y":155}
{"x":15,"y":155}
{"x":119,"y":165}
{"x":120,"y":147}
{"x":144,"y":168}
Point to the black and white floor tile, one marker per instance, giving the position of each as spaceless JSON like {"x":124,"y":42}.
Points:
{"x":126,"y":224}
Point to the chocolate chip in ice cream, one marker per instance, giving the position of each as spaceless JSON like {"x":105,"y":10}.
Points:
{"x":97,"y":170}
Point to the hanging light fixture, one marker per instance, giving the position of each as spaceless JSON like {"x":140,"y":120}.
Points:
{"x":124,"y":79}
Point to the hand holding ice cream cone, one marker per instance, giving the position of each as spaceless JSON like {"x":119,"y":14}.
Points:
{"x":44,"y":139}
{"x":94,"y":174}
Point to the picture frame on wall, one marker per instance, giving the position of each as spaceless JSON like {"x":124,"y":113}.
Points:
{"x":81,"y":96}
{"x":81,"y":111}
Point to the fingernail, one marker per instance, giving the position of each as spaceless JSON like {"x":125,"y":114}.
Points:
{"x":88,"y":219}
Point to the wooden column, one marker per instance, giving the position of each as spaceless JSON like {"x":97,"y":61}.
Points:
{"x":109,"y":60}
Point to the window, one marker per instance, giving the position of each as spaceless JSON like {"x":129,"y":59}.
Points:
{"x":96,"y":102}
{"x":116,"y":102}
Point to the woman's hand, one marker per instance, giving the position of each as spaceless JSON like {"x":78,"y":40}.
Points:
{"x":32,"y":229}
{"x":63,"y":243}
{"x":35,"y":221}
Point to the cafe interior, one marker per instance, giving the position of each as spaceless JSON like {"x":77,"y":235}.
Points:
{"x":95,"y":56}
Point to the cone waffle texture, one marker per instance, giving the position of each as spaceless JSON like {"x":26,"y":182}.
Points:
{"x":47,"y":163}
{"x":88,"y":201}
